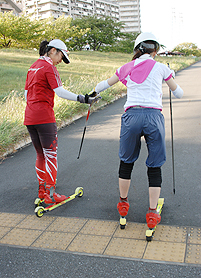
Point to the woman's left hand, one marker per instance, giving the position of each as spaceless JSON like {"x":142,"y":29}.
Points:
{"x":89,"y":99}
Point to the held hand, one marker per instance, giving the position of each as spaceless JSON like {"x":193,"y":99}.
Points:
{"x":89,"y":99}
{"x":93,"y":93}
{"x":92,"y":97}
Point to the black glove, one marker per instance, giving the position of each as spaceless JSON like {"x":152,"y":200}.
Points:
{"x":89,"y":99}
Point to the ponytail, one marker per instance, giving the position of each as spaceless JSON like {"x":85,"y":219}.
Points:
{"x":43,"y":48}
{"x":137,"y":54}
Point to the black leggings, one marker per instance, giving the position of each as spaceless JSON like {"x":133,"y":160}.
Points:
{"x":44,"y":139}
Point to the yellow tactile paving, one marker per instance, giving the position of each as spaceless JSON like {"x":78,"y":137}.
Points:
{"x":20,"y":237}
{"x":71,"y":225}
{"x":3,"y":231}
{"x":132,"y":230}
{"x":33,"y":222}
{"x":89,"y":244}
{"x":102,"y":228}
{"x":194,"y":235}
{"x":165,"y":251}
{"x":10,"y":219}
{"x":54,"y":240}
{"x":78,"y":235}
{"x":193,"y":254}
{"x":128,"y":248}
{"x":169,"y":233}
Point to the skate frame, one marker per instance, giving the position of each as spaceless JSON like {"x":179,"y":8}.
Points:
{"x":150,"y":232}
{"x":40,"y":210}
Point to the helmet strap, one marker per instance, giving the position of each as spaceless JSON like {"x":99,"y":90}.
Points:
{"x":147,"y":47}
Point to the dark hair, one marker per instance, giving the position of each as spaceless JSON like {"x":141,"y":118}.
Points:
{"x":145,"y":47}
{"x":137,"y":54}
{"x":44,"y":48}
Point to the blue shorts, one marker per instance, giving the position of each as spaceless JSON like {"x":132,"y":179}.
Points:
{"x":147,"y":122}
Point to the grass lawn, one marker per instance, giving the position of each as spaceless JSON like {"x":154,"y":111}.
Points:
{"x":14,"y":65}
{"x":86,"y":69}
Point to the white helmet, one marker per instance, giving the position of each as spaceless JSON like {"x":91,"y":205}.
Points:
{"x":146,"y":36}
{"x":58,"y":44}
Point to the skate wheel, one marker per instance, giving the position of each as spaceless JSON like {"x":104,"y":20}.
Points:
{"x":122,"y":227}
{"x":37,"y":202}
{"x":149,"y":238}
{"x":122,"y":222}
{"x":39,"y":211}
{"x":79,"y":191}
{"x":149,"y":235}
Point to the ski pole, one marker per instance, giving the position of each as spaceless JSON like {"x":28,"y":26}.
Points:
{"x":96,"y":97}
{"x":85,"y":127}
{"x":172,"y":141}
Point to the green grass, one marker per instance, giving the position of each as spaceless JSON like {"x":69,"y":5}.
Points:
{"x":80,"y":76}
{"x":14,"y":65}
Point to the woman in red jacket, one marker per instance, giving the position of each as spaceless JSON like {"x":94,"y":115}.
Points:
{"x":42,"y":82}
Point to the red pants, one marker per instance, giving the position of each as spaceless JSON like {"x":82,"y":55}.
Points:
{"x":44,"y":139}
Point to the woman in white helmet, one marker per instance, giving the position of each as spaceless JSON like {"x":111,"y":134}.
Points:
{"x":42,"y":82}
{"x":143,"y":78}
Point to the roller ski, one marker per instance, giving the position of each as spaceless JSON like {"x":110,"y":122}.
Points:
{"x":153,"y":218}
{"x":123,"y":207}
{"x":55,"y":201}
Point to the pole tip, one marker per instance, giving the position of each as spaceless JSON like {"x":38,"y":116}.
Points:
{"x":174,"y":190}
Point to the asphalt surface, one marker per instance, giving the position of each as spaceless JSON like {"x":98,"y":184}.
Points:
{"x":23,"y":263}
{"x":97,"y":172}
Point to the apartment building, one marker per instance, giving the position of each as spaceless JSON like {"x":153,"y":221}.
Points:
{"x":41,"y":9}
{"x":130,"y":15}
{"x":126,"y":11}
{"x":94,"y":7}
{"x":8,"y":6}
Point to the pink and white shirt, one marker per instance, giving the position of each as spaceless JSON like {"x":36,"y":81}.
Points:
{"x":143,"y":78}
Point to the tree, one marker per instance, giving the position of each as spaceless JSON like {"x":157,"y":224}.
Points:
{"x":125,"y":44}
{"x":26,"y":33}
{"x":61,"y":28}
{"x":79,"y":40}
{"x":57,"y":28}
{"x":188,"y":48}
{"x":18,"y":31}
{"x":100,"y":31}
{"x":6,"y":27}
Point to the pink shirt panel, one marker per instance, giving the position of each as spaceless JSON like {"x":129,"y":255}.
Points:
{"x":137,"y":73}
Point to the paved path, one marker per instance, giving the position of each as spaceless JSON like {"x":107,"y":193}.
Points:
{"x":83,"y":236}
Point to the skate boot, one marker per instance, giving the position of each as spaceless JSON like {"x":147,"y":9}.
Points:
{"x":51,"y":196}
{"x":41,"y":191}
{"x":123,"y":207}
{"x":153,"y":218}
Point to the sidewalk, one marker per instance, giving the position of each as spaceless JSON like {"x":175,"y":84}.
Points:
{"x":180,"y":245}
{"x":84,"y":239}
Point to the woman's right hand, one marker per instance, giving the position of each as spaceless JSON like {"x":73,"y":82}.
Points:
{"x":89,"y":99}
